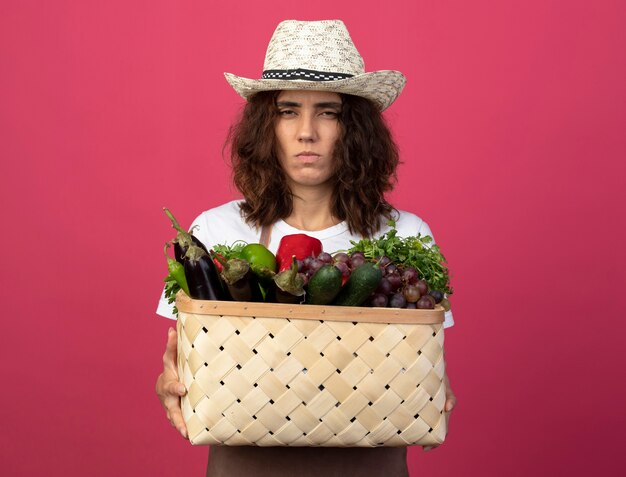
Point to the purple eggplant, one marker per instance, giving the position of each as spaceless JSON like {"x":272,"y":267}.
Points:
{"x":289,"y":284}
{"x":183,"y":239}
{"x":240,"y":281}
{"x":202,"y":276}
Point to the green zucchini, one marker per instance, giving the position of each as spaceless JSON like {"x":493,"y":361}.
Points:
{"x":360,"y":285}
{"x":324,"y":285}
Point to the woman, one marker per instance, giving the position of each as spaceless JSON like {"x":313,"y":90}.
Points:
{"x":310,"y":154}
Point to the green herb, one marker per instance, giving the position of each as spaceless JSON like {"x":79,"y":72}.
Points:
{"x":171,"y":289}
{"x":415,"y":251}
{"x":230,"y":251}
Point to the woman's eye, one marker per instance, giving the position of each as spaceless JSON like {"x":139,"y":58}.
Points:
{"x":286,"y":112}
{"x":330,"y":114}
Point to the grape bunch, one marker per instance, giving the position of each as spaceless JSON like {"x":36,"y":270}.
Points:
{"x":400,"y":286}
{"x":344,"y":262}
{"x":310,"y":265}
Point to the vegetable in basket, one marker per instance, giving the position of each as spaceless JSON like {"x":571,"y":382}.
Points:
{"x":324,"y":285}
{"x":300,"y":245}
{"x":202,"y":275}
{"x":416,"y":251}
{"x":261,"y":260}
{"x":183,"y":238}
{"x":176,"y":271}
{"x":227,"y":252}
{"x":361,"y":284}
{"x":175,"y":279}
{"x":289,"y":284}
{"x":240,"y":281}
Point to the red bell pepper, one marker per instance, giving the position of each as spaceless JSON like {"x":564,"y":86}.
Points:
{"x":218,"y":258}
{"x":300,"y":245}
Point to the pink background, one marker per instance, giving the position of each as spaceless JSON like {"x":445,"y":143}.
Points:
{"x":512,"y":132}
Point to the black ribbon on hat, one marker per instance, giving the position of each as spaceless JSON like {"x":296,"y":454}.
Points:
{"x":310,"y":75}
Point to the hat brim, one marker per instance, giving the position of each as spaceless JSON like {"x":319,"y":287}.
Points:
{"x":381,"y":87}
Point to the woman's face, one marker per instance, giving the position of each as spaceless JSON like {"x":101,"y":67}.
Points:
{"x":307,"y":129}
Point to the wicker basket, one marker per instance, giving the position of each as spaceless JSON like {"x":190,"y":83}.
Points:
{"x":269,"y":374}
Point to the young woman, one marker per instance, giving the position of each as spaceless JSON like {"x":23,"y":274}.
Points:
{"x":311,"y":154}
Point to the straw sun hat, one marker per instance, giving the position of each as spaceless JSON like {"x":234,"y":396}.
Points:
{"x":319,"y":55}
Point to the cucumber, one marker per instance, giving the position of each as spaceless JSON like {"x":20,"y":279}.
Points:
{"x":324,"y":285}
{"x":360,"y":285}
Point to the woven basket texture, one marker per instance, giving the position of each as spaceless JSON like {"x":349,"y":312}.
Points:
{"x":301,"y":382}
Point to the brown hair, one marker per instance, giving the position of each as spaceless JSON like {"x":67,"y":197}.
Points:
{"x":366,"y":161}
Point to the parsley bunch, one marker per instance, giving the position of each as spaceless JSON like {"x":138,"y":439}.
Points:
{"x":230,"y":251}
{"x":415,"y":251}
{"x":171,"y":289}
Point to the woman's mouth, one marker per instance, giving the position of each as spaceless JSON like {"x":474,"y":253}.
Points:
{"x":307,"y":156}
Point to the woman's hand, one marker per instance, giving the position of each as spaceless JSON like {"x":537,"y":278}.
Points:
{"x":447,"y":408}
{"x":168,"y":388}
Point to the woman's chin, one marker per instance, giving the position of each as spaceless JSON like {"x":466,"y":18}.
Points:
{"x":311,"y":182}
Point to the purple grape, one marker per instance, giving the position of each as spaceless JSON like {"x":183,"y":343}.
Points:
{"x":411,"y":293}
{"x":306,"y":263}
{"x":300,"y":265}
{"x":397,"y":300}
{"x":357,"y":254}
{"x":384,"y":287}
{"x":343,"y":268}
{"x":395,"y":281}
{"x":409,"y":275}
{"x":411,"y":306}
{"x":425,"y":303}
{"x":357,"y":261}
{"x":305,"y":277}
{"x":422,"y":286}
{"x":437,"y":295}
{"x":316,"y":264}
{"x":384,"y":261}
{"x":379,"y":300}
{"x":325,"y":257}
{"x":342,"y":257}
{"x":390,"y":269}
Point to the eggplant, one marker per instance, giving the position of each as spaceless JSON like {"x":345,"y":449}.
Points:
{"x":281,"y":296}
{"x":183,"y":239}
{"x":181,"y":245}
{"x":202,"y":276}
{"x":240,"y":281}
{"x":289,"y":284}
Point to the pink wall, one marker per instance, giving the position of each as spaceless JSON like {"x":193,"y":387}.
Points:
{"x":512,"y":132}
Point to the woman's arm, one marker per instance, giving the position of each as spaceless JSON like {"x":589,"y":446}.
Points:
{"x":168,"y":388}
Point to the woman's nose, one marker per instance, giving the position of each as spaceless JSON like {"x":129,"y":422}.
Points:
{"x":306,"y":128}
